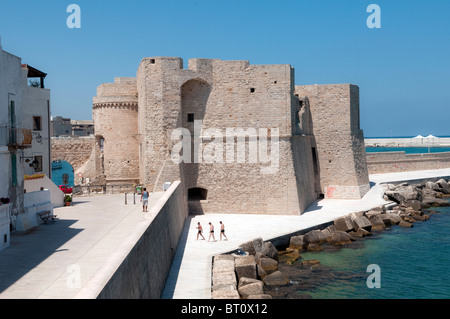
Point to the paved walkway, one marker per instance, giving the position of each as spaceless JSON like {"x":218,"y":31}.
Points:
{"x":45,"y":263}
{"x":42,"y":263}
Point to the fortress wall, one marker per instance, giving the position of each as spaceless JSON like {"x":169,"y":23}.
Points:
{"x":247,"y":188}
{"x":138,"y":269}
{"x":392,"y":162}
{"x":340,"y":142}
{"x":76,"y":151}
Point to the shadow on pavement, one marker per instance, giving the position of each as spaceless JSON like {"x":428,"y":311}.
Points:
{"x":28,"y":250}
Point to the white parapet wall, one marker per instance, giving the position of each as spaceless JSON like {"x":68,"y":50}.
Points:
{"x":34,"y":203}
{"x":4,"y":226}
{"x":56,"y":195}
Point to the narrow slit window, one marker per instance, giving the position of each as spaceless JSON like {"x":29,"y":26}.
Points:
{"x":190,"y":117}
{"x":37,"y":123}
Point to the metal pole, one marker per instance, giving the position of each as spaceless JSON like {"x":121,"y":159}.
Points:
{"x":134,"y":198}
{"x":125,"y":198}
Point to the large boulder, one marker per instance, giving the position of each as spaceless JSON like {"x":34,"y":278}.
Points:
{"x":343,"y":223}
{"x":245,"y":266}
{"x":315,"y":237}
{"x":268,"y":264}
{"x":395,"y":196}
{"x":436,"y":202}
{"x":246,"y":281}
{"x":444,"y":186}
{"x":377,"y":223}
{"x":405,"y":224}
{"x":340,"y":238}
{"x":298,"y":242}
{"x":362,"y":222}
{"x":276,"y":279}
{"x":255,"y":288}
{"x":270,"y":250}
{"x":359,"y":233}
{"x":253,"y":246}
{"x":394,"y":218}
{"x":404,"y":192}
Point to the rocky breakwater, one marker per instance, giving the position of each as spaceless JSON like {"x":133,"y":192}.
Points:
{"x":266,"y":271}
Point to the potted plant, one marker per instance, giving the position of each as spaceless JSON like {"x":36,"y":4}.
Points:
{"x":67,"y":200}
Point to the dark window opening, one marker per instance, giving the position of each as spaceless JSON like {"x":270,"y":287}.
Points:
{"x":315,"y":163}
{"x":5,"y":238}
{"x":37,"y":123}
{"x":197,"y":194}
{"x":252,"y":90}
{"x":152,"y":61}
{"x":190,"y":117}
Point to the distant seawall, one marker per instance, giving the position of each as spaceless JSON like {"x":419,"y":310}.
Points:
{"x":393,"y":162}
{"x":407,"y":142}
{"x":138,"y":269}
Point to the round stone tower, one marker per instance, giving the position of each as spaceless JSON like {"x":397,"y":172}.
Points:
{"x":115,"y":115}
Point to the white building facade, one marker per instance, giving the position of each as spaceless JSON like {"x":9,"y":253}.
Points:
{"x":24,"y":140}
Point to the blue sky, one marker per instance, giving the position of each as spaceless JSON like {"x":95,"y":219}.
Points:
{"x":402,"y":69}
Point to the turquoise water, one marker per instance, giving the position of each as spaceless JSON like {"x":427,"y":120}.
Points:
{"x":408,"y":150}
{"x":59,"y":170}
{"x":414,"y":263}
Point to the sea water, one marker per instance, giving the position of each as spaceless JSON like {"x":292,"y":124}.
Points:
{"x":414,"y":263}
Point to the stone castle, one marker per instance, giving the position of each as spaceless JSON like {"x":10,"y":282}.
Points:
{"x":251,"y":140}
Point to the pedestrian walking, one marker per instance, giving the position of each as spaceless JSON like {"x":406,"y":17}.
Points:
{"x":222,"y":231}
{"x":144,"y":200}
{"x":200,"y":230}
{"x":211,"y":232}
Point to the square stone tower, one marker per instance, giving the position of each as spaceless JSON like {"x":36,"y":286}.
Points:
{"x":340,"y":141}
{"x":225,"y":107}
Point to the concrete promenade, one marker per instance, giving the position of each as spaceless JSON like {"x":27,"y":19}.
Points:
{"x":47,"y":262}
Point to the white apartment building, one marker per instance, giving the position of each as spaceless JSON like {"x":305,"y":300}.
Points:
{"x":24,"y":141}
